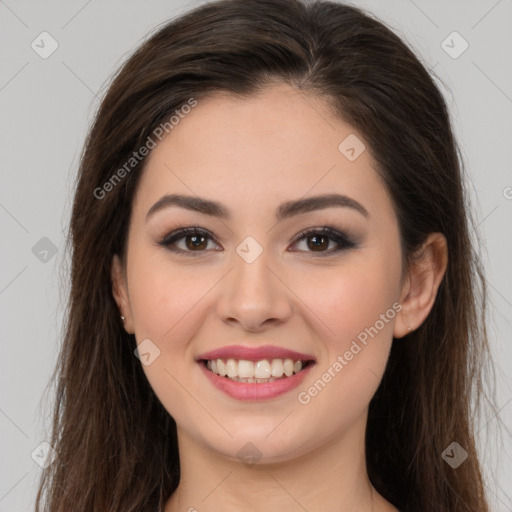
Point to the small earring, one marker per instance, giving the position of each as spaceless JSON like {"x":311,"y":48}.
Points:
{"x":409,"y":329}
{"x":122,"y":318}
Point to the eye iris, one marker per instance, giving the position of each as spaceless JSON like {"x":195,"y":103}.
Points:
{"x":319,"y":245}
{"x":198,"y":242}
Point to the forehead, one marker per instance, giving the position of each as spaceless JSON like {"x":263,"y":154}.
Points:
{"x":278,"y":144}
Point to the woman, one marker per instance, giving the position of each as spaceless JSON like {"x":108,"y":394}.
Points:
{"x":274,"y":293}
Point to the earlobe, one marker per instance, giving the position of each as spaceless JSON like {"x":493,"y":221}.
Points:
{"x":120,"y":292}
{"x":419,"y":291}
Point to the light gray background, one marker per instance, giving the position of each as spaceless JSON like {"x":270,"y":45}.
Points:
{"x":46,"y":106}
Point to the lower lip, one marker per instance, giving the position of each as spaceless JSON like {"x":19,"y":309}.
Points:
{"x":255,"y":391}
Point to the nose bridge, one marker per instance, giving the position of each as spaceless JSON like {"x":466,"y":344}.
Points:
{"x":253,"y":294}
{"x":252,"y":275}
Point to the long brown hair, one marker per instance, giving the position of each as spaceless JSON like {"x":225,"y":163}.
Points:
{"x":116,"y":445}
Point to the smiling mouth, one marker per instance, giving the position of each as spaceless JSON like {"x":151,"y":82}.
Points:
{"x":256,"y":372}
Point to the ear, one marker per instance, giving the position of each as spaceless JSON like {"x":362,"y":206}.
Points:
{"x":419,"y":290}
{"x":120,"y":292}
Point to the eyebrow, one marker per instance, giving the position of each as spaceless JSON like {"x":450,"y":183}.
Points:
{"x":284,"y":211}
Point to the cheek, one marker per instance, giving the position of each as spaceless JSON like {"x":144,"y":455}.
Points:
{"x":166,"y":302}
{"x":358,"y":304}
{"x":164,"y":296}
{"x":353,"y":298}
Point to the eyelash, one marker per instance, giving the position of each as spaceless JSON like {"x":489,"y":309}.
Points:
{"x":343,"y":241}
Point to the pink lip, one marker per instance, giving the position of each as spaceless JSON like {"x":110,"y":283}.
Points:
{"x":255,"y":391}
{"x":255,"y":354}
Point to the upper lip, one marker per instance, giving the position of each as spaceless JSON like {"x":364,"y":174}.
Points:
{"x":255,"y":353}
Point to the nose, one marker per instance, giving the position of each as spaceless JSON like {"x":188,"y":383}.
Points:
{"x":254,"y":296}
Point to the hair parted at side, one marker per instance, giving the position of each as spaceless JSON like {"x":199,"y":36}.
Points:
{"x":116,"y":444}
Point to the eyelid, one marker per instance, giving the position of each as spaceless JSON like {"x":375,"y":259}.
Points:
{"x":182,"y":232}
{"x":343,"y":241}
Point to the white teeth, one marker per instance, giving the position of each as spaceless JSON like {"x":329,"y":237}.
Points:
{"x":245,"y":369}
{"x":221,"y":368}
{"x":231,"y":368}
{"x":259,"y":371}
{"x":288,"y":367}
{"x":262,"y":369}
{"x":277,"y":368}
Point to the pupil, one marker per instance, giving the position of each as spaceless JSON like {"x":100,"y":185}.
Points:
{"x":316,"y":244}
{"x":194,"y":239}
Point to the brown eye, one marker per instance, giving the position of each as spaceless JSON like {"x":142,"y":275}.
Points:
{"x":194,"y":242}
{"x":188,"y":241}
{"x":318,"y":242}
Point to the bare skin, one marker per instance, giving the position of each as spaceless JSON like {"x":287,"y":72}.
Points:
{"x":251,"y":155}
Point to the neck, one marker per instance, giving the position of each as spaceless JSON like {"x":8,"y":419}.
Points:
{"x":328,"y":477}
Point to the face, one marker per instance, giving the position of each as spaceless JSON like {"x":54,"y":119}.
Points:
{"x":321,"y":280}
